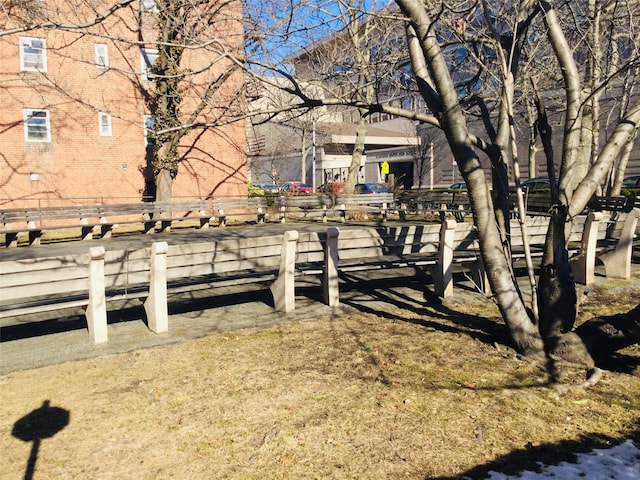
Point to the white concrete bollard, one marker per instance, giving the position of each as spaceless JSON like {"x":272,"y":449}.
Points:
{"x":330,"y":284}
{"x":156,"y":303}
{"x":617,"y":262}
{"x":96,"y":311}
{"x":443,"y":272}
{"x":583,"y":265}
{"x":283,"y":289}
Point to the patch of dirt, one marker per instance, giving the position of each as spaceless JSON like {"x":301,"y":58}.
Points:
{"x":426,"y":392}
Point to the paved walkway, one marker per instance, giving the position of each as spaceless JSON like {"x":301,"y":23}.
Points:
{"x":177,"y":236}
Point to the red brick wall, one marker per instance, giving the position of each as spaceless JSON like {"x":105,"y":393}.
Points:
{"x":78,"y":164}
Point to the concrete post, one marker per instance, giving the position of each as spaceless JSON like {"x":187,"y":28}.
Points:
{"x":583,"y":265}
{"x":156,"y":303}
{"x":324,"y":213}
{"x":617,"y":262}
{"x":222,"y":218}
{"x":443,"y":272}
{"x":283,"y":289}
{"x":330,"y":286}
{"x":96,"y":311}
{"x":262,"y":215}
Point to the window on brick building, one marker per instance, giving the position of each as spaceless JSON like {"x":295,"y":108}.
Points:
{"x":102,"y":56}
{"x":37,"y":127}
{"x":149,"y":123}
{"x":33,"y":54}
{"x":148,"y":57}
{"x":150,"y":5}
{"x":104,"y":124}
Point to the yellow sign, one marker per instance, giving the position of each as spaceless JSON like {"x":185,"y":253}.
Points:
{"x":384,"y":168}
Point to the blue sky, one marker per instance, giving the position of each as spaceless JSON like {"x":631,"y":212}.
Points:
{"x":290,"y":25}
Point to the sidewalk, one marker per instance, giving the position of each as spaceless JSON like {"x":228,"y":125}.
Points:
{"x":58,"y":341}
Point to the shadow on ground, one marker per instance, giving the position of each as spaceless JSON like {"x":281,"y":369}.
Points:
{"x":531,"y":458}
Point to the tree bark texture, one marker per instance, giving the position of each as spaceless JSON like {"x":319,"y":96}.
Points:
{"x":438,"y":90}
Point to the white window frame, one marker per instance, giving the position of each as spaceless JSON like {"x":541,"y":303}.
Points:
{"x":148,"y":57}
{"x":150,"y":5}
{"x":104,"y":124}
{"x":35,"y":60}
{"x":31,"y":127}
{"x":149,"y":122}
{"x":102,"y":56}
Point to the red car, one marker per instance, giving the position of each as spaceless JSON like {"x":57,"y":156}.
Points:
{"x":332,"y":187}
{"x":297,"y":187}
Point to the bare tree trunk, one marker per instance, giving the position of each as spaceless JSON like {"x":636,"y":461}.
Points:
{"x":533,"y":149}
{"x":557,"y":300}
{"x":590,"y":131}
{"x":622,"y":135}
{"x":165,"y":101}
{"x":441,"y":96}
{"x":165,"y":164}
{"x":358,"y":153}
{"x":558,"y":292}
{"x":616,"y":188}
{"x":164,"y":183}
{"x":508,"y":101}
{"x":303,"y":158}
{"x":572,"y":122}
{"x":359,"y":35}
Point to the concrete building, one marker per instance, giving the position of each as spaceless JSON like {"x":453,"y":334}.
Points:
{"x":319,"y":145}
{"x":75,"y":109}
{"x":281,"y":151}
{"x":396,"y":150}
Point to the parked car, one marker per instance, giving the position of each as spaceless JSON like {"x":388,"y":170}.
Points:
{"x":268,"y":187}
{"x":533,"y":185}
{"x":371,"y":188}
{"x":332,"y":187}
{"x":631,"y":182}
{"x":458,"y":187}
{"x":297,"y":187}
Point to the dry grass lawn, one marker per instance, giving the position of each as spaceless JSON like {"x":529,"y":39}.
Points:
{"x":357,"y":396}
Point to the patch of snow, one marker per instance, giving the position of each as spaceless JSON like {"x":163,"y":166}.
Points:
{"x":621,"y":462}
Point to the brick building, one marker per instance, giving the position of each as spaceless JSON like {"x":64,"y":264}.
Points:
{"x":75,"y":113}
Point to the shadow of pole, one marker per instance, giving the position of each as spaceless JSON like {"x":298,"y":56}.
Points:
{"x":41,"y":423}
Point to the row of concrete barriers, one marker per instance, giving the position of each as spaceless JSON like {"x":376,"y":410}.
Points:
{"x":98,"y":278}
{"x":102,"y":220}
